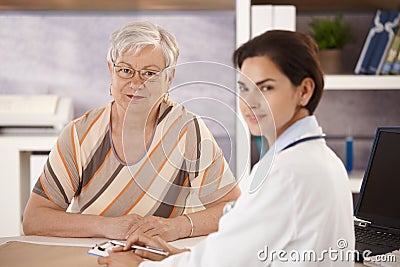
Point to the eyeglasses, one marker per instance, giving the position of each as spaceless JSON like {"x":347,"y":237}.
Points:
{"x":126,"y":72}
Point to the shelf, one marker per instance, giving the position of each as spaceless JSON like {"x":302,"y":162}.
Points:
{"x":333,"y":5}
{"x":117,"y":5}
{"x":362,"y":82}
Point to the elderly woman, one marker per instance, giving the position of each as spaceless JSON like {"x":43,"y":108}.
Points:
{"x":298,"y":206}
{"x":140,"y":164}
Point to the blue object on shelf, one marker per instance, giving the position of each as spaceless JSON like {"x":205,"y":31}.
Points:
{"x":349,"y":154}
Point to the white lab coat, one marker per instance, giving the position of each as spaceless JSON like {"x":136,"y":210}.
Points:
{"x":304,"y":204}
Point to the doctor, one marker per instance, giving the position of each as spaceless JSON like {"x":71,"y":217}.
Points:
{"x":297,"y":209}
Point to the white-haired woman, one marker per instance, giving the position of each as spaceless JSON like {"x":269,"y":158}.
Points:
{"x":136,"y":164}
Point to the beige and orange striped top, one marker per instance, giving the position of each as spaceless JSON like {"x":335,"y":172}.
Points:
{"x":183,"y":168}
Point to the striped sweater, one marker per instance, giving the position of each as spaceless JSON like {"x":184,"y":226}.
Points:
{"x":182,"y":170}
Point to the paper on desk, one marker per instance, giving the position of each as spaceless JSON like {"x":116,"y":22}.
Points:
{"x":57,"y":241}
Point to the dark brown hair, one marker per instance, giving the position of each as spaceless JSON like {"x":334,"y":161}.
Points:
{"x":294,"y":53}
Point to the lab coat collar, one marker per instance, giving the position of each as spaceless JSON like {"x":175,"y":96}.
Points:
{"x":302,"y":128}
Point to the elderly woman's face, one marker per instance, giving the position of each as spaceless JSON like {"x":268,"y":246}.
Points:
{"x":145,"y":89}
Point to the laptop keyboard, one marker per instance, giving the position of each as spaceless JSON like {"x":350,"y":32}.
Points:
{"x":377,"y":238}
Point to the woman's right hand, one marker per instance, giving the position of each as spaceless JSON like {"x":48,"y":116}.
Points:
{"x":156,"y":242}
{"x":118,"y":227}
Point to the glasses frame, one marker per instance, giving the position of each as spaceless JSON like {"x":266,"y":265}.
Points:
{"x":141,"y":73}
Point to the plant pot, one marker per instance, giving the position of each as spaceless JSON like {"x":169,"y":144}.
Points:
{"x":331,"y":60}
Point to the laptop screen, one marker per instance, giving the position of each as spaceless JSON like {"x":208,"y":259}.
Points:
{"x":379,"y":200}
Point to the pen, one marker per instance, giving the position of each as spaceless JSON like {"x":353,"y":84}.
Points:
{"x":150,"y":249}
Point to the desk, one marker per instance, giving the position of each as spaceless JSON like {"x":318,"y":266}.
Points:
{"x":62,"y":252}
{"x":89,"y":242}
{"x":14,"y":177}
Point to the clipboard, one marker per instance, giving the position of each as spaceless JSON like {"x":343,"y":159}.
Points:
{"x":101,"y":250}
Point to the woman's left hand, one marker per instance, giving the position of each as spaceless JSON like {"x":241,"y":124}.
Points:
{"x":120,"y":259}
{"x":168,"y":229}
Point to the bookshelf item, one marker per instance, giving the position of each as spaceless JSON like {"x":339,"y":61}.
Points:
{"x":392,"y":53}
{"x":331,"y":60}
{"x":261,"y":19}
{"x":377,"y":42}
{"x":384,"y":42}
{"x":272,"y":17}
{"x":370,"y":42}
{"x":331,"y":35}
{"x":396,"y":65}
{"x":331,"y":32}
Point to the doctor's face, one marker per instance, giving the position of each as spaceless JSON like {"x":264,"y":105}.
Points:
{"x":138,"y":79}
{"x":270,"y":92}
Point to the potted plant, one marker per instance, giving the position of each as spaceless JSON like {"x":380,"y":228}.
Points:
{"x":331,"y":35}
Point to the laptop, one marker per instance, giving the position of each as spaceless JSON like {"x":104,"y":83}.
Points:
{"x":378,"y":205}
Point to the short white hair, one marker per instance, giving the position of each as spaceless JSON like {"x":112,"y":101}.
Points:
{"x":137,"y":35}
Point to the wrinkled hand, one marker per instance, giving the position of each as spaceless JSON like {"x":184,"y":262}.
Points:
{"x":120,"y":259}
{"x":167,"y":229}
{"x":118,"y":227}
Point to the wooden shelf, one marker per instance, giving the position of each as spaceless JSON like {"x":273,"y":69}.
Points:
{"x":116,"y":5}
{"x":333,"y":5}
{"x":362,"y":82}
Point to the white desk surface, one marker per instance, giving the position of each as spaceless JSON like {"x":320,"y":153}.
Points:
{"x":87,"y":242}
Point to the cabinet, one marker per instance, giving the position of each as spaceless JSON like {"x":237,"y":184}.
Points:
{"x":15,"y":177}
{"x":332,"y":82}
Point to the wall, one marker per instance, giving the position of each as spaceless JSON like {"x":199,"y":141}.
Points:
{"x":64,"y":53}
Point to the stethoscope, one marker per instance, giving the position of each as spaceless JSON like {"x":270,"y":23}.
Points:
{"x":305,"y":139}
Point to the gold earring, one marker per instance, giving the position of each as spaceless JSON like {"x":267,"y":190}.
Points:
{"x":166,"y":96}
{"x":110,"y":88}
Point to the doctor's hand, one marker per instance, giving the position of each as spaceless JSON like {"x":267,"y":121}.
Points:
{"x":120,"y":259}
{"x":155,"y":242}
{"x":168,"y":229}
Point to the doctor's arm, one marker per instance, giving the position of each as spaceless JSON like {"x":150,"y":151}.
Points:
{"x":124,"y":256}
{"x":257,"y":225}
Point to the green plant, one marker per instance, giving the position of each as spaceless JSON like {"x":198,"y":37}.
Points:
{"x":331,"y":33}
